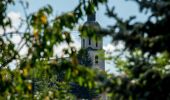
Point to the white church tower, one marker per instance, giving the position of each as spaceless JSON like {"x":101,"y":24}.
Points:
{"x":94,"y":43}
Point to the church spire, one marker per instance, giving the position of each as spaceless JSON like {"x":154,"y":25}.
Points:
{"x":91,"y":17}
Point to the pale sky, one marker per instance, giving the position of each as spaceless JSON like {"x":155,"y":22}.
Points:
{"x":123,"y":8}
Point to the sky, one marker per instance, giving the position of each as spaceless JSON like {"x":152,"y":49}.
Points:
{"x":122,"y":7}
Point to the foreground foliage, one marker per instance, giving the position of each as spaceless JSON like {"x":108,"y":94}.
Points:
{"x":144,"y":61}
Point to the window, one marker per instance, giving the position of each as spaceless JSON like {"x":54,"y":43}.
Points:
{"x":96,"y":42}
{"x":89,"y":41}
{"x":83,"y":43}
{"x":96,"y":59}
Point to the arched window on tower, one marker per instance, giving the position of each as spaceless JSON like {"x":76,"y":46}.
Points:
{"x":89,"y":40}
{"x":83,"y":43}
{"x":96,"y":59}
{"x":96,"y":42}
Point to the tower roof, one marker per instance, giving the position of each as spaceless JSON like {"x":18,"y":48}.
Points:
{"x":91,"y":21}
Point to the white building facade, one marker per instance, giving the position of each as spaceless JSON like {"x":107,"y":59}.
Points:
{"x":94,"y":43}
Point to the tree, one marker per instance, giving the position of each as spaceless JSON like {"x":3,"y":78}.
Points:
{"x":84,"y":58}
{"x":81,"y":91}
{"x":145,"y":62}
{"x":40,"y":36}
{"x":146,"y":65}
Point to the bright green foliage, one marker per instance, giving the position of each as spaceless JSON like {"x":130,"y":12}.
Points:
{"x":144,"y":63}
{"x":37,"y":76}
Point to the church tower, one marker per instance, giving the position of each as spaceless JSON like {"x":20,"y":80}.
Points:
{"x":94,"y":42}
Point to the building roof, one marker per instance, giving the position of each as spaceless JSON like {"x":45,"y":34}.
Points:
{"x":91,"y":21}
{"x":93,"y":24}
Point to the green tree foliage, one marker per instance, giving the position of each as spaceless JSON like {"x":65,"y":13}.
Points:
{"x":40,"y":36}
{"x":84,"y":58}
{"x":144,"y":62}
{"x":81,"y":91}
